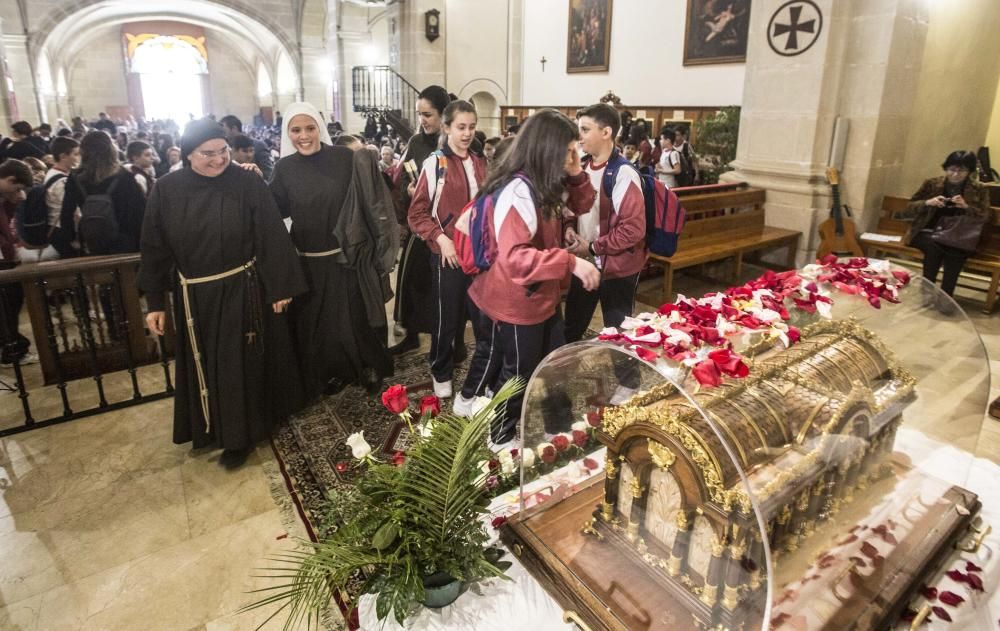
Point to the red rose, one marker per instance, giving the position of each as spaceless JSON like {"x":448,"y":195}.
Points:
{"x":560,"y":442}
{"x":342,"y":467}
{"x":395,"y":399}
{"x":494,"y":464}
{"x":398,"y":459}
{"x":430,"y":404}
{"x":498,"y":521}
{"x":594,"y":418}
{"x":514,"y":452}
{"x":580,"y":439}
{"x":548,"y":455}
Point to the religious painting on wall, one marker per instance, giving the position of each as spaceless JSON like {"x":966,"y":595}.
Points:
{"x":716,"y":32}
{"x":588,"y":47}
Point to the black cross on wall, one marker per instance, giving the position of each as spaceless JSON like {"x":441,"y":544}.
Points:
{"x":793,"y":29}
{"x":799,"y":22}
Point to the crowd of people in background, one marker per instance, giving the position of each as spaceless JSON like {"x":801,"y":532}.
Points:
{"x":204,"y":206}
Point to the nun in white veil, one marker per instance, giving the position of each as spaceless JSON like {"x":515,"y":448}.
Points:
{"x":336,"y":343}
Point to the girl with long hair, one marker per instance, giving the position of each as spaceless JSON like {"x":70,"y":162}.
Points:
{"x":520,"y":292}
{"x":448,"y":180}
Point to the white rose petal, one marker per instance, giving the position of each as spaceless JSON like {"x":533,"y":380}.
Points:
{"x":359,"y":447}
{"x":484,"y":466}
{"x":580,"y":426}
{"x":508,"y":467}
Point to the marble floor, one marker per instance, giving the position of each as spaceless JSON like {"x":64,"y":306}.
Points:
{"x":105,"y":524}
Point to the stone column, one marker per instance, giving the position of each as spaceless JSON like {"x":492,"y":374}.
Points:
{"x":864,"y":67}
{"x":16,"y":61}
{"x":421,"y":61}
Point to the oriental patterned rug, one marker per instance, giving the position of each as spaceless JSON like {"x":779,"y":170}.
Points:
{"x":310,"y":447}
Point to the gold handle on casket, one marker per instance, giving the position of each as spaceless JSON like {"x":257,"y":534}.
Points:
{"x":977,"y":543}
{"x":571,"y":616}
{"x":920,"y":617}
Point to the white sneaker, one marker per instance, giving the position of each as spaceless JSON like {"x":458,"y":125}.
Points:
{"x":26,"y":359}
{"x":498,"y":447}
{"x":622,"y":394}
{"x":442,"y":389}
{"x":469,"y":407}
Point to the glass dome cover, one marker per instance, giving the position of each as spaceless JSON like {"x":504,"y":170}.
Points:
{"x":790,"y":453}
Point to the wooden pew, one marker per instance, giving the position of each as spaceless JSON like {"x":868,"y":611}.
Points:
{"x":986,"y":260}
{"x":723,"y":222}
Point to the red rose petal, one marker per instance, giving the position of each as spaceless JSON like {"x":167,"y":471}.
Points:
{"x":909,"y":615}
{"x":941,"y":613}
{"x":851,"y":539}
{"x":890,"y":538}
{"x":869,"y":550}
{"x":590,"y":464}
{"x":972,"y":567}
{"x":858,"y":561}
{"x":951,"y":598}
{"x":930,"y":593}
{"x":974,"y":582}
{"x":957,"y":576}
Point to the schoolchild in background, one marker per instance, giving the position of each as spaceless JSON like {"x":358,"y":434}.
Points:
{"x":612,"y":231}
{"x":448,"y":181}
{"x":521,"y":290}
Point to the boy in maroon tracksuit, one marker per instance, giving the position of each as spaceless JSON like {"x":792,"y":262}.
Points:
{"x":520,"y":291}
{"x":612,"y":232}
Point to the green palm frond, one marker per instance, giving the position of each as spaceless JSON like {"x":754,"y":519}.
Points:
{"x":425,"y":515}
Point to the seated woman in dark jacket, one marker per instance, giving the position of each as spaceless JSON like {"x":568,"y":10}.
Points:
{"x":954,"y":193}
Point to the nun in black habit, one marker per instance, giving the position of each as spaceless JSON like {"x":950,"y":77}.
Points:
{"x":340,"y":341}
{"x":213,"y":236}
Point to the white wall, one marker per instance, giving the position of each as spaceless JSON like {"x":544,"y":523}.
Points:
{"x":476,"y":58}
{"x":97,"y":77}
{"x":647,"y":42}
{"x":233,"y":87}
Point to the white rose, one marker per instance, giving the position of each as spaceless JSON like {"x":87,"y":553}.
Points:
{"x":540,"y":449}
{"x":528,"y":458}
{"x":508,"y":467}
{"x":580,"y":426}
{"x":504,"y":455}
{"x":359,"y":447}
{"x":484,"y":466}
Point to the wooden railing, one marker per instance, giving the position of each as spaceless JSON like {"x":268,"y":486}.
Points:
{"x":87,"y":323}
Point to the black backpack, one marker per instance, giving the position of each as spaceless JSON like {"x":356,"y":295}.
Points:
{"x":687,"y":175}
{"x":98,"y":223}
{"x":33,"y":216}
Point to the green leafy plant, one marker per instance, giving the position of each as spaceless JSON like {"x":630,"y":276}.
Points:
{"x":408,"y":521}
{"x":717,"y":136}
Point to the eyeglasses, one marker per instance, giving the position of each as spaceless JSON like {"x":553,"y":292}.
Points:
{"x":208,"y":155}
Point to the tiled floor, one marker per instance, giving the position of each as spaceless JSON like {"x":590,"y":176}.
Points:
{"x":106,"y":524}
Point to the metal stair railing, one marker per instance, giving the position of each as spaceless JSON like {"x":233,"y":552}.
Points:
{"x":380,"y":89}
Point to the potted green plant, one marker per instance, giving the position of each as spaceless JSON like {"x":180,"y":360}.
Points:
{"x":412,"y":532}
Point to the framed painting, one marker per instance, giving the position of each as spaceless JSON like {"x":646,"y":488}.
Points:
{"x":588,"y":38}
{"x":716,"y":32}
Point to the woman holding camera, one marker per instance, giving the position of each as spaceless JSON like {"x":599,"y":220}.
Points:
{"x":953,"y":194}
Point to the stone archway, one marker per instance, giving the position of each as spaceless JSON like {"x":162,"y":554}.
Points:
{"x":489,"y":113}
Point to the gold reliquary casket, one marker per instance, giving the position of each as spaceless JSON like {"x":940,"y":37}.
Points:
{"x":818,"y":492}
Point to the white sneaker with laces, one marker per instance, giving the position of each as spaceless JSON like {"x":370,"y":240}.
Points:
{"x":498,"y":447}
{"x":469,"y":407}
{"x":442,"y":389}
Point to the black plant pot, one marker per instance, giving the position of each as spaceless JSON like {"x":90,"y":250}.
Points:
{"x":440,"y":590}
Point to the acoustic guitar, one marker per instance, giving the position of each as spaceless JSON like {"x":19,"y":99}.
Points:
{"x":838,"y":235}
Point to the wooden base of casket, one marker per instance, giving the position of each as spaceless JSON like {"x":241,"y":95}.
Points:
{"x":606,"y":583}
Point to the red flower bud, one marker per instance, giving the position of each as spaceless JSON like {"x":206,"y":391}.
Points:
{"x":430,"y":404}
{"x":548,"y":455}
{"x":395,"y":399}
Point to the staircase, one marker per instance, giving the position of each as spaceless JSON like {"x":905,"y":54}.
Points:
{"x":381,"y":90}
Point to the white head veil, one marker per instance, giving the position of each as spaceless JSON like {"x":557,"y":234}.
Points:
{"x":293,"y":110}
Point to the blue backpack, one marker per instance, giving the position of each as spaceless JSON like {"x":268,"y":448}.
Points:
{"x":664,"y":213}
{"x":477,"y":249}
